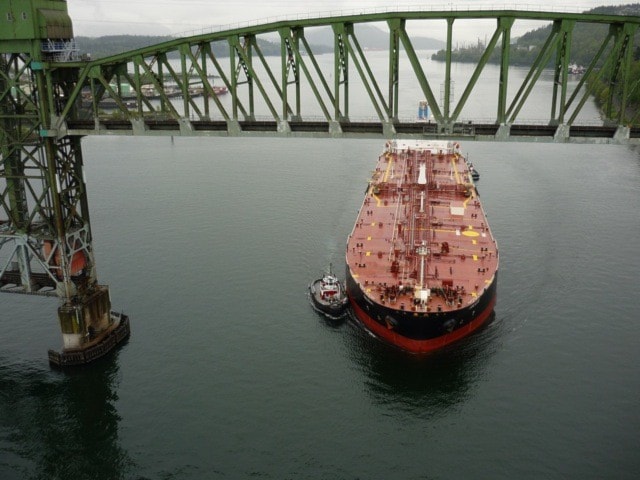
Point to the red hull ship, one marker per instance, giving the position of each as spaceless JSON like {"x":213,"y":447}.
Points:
{"x":422,"y":264}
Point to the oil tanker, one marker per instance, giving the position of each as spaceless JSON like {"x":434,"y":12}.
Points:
{"x":421,"y":261}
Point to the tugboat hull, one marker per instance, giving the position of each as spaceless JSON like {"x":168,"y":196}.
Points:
{"x":328,"y":295}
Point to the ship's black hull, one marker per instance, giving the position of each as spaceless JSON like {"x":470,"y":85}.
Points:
{"x":420,"y":332}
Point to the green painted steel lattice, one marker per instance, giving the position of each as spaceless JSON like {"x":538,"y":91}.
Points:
{"x":171,"y":86}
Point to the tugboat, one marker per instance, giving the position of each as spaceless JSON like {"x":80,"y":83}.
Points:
{"x":328,"y":295}
{"x":474,"y":173}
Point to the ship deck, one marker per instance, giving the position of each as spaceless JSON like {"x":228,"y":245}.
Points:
{"x":421,"y":240}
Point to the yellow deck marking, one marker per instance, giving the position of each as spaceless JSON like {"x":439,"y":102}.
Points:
{"x":368,"y":254}
{"x":369,"y":237}
{"x":470,"y":233}
{"x":373,"y":224}
{"x":455,"y":169}
{"x":384,"y":179}
{"x":386,"y":173}
{"x":475,"y":258}
{"x":457,"y":175}
{"x":370,"y":191}
{"x":472,"y":196}
{"x":474,"y":242}
{"x":474,"y":294}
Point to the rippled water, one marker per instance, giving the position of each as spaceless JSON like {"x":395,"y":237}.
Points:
{"x":209,"y":244}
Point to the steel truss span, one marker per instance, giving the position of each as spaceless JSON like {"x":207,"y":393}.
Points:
{"x":178,"y":88}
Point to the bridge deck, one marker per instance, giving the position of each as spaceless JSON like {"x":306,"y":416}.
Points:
{"x":367,"y":129}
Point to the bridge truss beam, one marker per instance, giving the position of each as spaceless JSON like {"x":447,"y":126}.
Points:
{"x":175,"y":88}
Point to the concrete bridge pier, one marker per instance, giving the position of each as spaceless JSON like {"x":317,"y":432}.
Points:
{"x":89,"y":328}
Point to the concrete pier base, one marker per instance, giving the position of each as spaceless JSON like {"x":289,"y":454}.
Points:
{"x":89,"y":328}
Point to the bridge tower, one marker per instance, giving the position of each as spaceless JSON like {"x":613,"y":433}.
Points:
{"x":45,"y":231}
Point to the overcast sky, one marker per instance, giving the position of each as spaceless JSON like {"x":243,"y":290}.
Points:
{"x":171,"y":17}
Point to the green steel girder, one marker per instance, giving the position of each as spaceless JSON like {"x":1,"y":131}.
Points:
{"x":589,"y":74}
{"x":266,"y":28}
{"x":246,"y":60}
{"x":240,"y":63}
{"x":447,"y":74}
{"x":366,"y":75}
{"x":561,"y":71}
{"x":534,"y":72}
{"x":289,"y":61}
{"x":43,"y":204}
{"x":227,"y":80}
{"x":504,"y":25}
{"x":420,"y":76}
{"x":621,"y":70}
{"x":321,"y":77}
{"x":620,"y":34}
{"x":340,"y":72}
{"x":44,"y":216}
{"x":258,"y":94}
{"x":297,"y":36}
{"x":394,"y":68}
{"x":243,"y":54}
{"x":205,"y":52}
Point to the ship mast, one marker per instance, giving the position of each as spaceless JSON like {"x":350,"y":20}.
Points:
{"x":421,"y":292}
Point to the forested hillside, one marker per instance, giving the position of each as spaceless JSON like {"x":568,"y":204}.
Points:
{"x":586,"y":39}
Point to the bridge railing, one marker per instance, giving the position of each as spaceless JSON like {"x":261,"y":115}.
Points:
{"x":323,"y":14}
